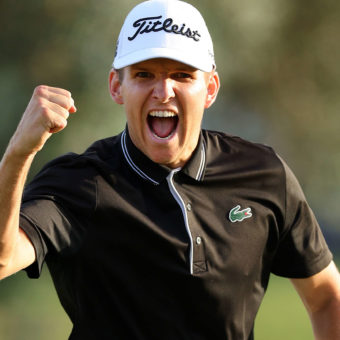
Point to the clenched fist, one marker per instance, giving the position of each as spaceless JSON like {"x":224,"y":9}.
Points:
{"x":46,"y":113}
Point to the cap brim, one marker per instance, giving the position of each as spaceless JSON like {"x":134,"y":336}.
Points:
{"x":184,"y":57}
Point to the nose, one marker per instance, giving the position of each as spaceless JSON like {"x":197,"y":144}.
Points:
{"x":163,"y":90}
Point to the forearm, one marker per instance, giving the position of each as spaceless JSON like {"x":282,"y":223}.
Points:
{"x":326,"y":325}
{"x":13,"y":173}
{"x":46,"y":113}
{"x":320,"y":294}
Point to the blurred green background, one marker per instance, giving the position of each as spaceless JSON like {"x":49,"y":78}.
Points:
{"x":279,"y":66}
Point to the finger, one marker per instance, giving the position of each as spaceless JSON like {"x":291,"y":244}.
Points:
{"x":54,"y":119}
{"x":64,"y":101}
{"x":56,"y":95}
{"x":44,"y":89}
{"x":58,"y":110}
{"x":73,"y":108}
{"x":58,"y":125}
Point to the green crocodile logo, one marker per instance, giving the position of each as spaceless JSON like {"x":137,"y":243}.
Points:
{"x":237,"y":215}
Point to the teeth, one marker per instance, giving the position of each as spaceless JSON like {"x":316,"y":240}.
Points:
{"x":162,"y":114}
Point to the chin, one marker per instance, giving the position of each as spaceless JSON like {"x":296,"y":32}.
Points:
{"x":163,"y":160}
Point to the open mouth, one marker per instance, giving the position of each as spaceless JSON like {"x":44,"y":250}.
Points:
{"x":162,"y":124}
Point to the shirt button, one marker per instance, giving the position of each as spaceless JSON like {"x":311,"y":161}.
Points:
{"x":198,"y":240}
{"x":189,"y":207}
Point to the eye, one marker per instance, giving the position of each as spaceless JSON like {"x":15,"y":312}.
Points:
{"x":143,"y":74}
{"x":182,"y":75}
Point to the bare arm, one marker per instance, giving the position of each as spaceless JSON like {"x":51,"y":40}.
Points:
{"x":46,"y":114}
{"x":321,"y":297}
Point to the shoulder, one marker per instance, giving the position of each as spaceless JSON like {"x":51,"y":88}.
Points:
{"x":73,"y":172}
{"x":226,"y":143}
{"x":101,"y":151}
{"x":237,"y":154}
{"x":104,"y":149}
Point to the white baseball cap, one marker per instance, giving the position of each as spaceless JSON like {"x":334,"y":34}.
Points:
{"x":170,"y":29}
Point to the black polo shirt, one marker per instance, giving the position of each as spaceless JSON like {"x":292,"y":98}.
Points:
{"x":139,"y":251}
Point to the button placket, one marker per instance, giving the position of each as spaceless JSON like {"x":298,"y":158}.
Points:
{"x":183,"y":206}
{"x":199,"y":261}
{"x":200,"y":264}
{"x":197,"y":253}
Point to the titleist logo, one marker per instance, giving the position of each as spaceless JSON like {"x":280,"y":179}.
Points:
{"x":153,"y":24}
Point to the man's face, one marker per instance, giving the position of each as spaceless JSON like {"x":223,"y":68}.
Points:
{"x":164,"y":102}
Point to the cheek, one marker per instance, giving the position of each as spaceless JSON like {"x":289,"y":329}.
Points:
{"x":133,"y":103}
{"x":139,"y":99}
{"x":199,"y":94}
{"x":195,"y":101}
{"x":193,"y":107}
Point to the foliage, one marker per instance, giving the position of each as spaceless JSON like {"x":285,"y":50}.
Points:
{"x":279,"y":65}
{"x":278,"y":61}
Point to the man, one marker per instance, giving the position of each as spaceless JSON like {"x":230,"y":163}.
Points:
{"x":165,"y":231}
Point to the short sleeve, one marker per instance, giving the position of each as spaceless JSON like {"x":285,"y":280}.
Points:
{"x":302,"y":250}
{"x":56,"y":209}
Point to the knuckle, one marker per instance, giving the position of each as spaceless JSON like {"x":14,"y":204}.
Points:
{"x":40,"y":90}
{"x":45,"y":111}
{"x":66,"y":94}
{"x":71,"y":102}
{"x":60,"y":124}
{"x":40,"y":101}
{"x":64,"y":114}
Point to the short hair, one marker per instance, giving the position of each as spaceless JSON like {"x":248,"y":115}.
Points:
{"x":120,"y":74}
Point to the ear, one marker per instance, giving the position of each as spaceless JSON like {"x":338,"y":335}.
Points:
{"x":115,"y":87}
{"x":213,"y":88}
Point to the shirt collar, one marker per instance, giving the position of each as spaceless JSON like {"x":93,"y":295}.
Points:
{"x":156,"y":173}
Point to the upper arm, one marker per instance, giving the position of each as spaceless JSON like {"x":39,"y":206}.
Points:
{"x":24,"y":255}
{"x":319,"y":290}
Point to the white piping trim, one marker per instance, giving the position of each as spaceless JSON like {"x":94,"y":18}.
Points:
{"x":202,"y":164}
{"x":130,"y":161}
{"x":180,"y":201}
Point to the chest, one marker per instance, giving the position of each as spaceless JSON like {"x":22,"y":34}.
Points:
{"x":178,"y":225}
